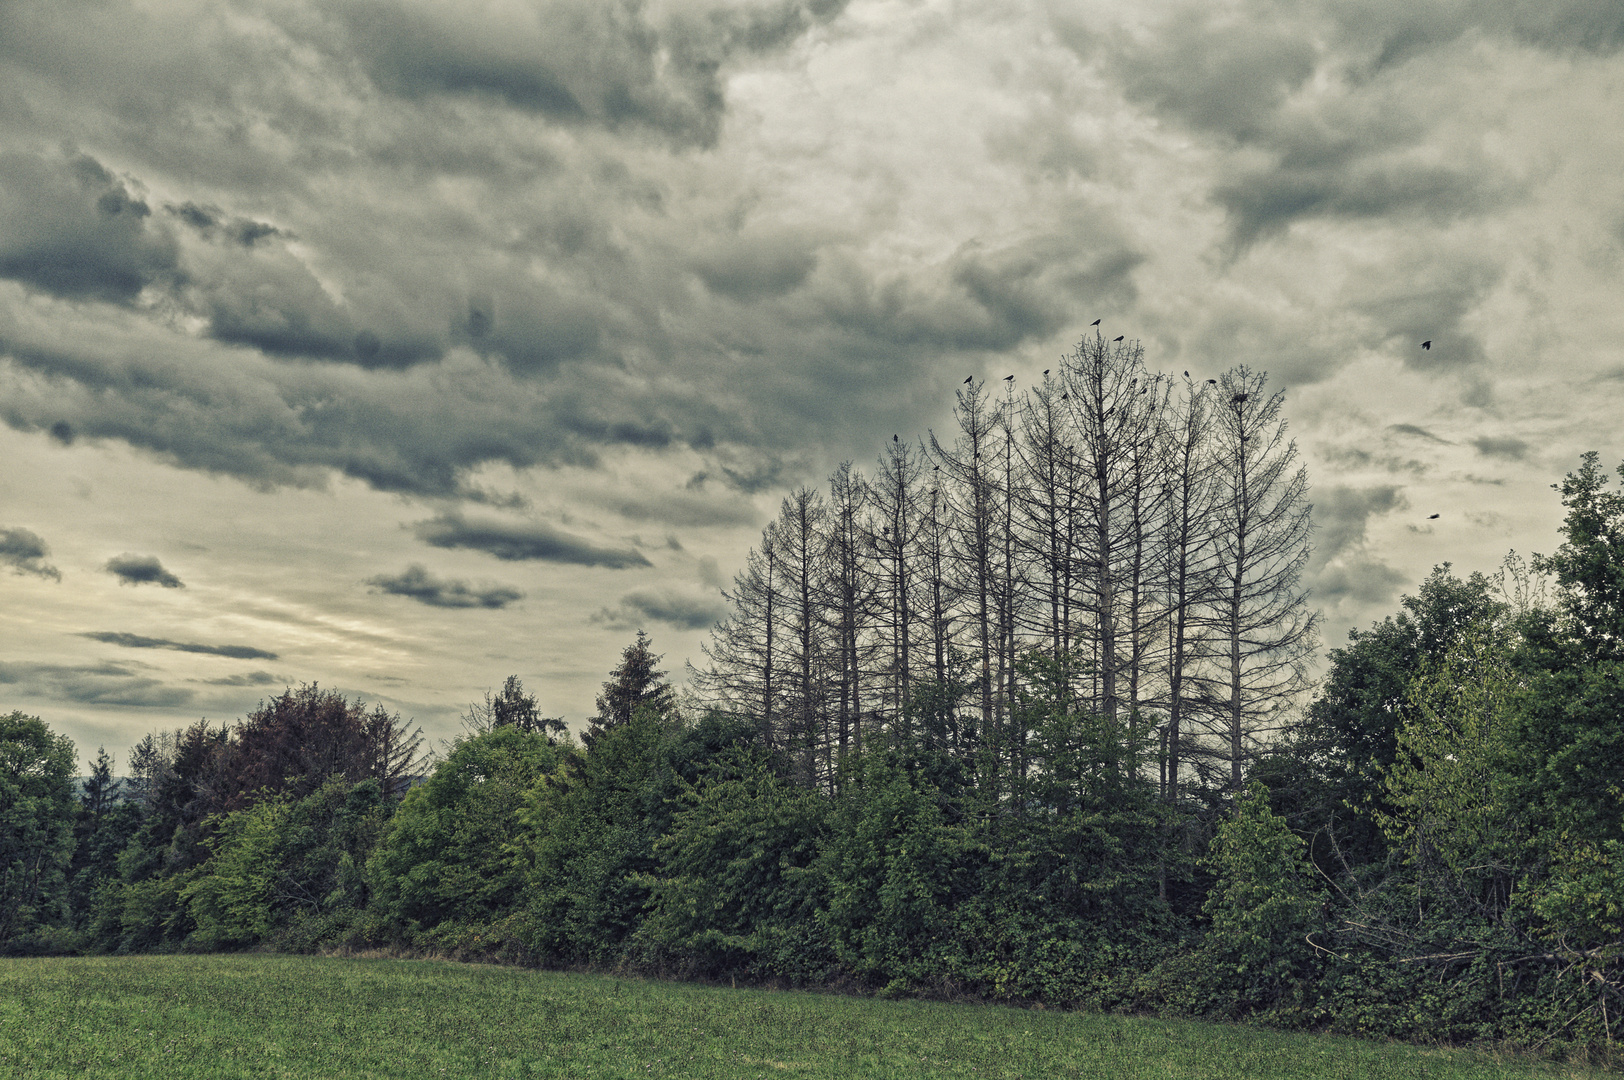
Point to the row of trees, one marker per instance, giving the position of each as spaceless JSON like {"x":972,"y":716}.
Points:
{"x":1433,"y":849}
{"x":1148,"y":532}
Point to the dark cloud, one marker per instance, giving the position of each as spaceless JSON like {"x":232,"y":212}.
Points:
{"x":690,"y":507}
{"x":93,"y":684}
{"x":136,"y":641}
{"x":70,"y":228}
{"x":1502,"y":447}
{"x":1418,"y":432}
{"x":1392,"y":32}
{"x":669,"y":606}
{"x":1342,"y":513}
{"x":1262,"y":202}
{"x":142,"y":570}
{"x":601,"y":63}
{"x":25,"y":553}
{"x":515,"y":541}
{"x":1361,"y":582}
{"x":426,"y":588}
{"x":212,"y":223}
{"x":1224,"y":77}
{"x":751,"y":269}
{"x":252,"y":678}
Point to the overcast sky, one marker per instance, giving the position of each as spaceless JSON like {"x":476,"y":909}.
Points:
{"x":403,"y":345}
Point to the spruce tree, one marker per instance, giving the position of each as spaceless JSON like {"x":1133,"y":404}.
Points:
{"x":637,"y":682}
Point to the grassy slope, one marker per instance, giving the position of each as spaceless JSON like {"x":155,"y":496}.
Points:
{"x":285,"y":1016}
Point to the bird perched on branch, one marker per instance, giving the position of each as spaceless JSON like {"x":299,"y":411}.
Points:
{"x":1009,"y":378}
{"x":1096,"y":322}
{"x":895,"y":439}
{"x":1119,"y":337}
{"x":967,"y":380}
{"x":1212,"y":382}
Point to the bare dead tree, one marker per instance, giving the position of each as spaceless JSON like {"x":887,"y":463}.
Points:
{"x":1262,"y":523}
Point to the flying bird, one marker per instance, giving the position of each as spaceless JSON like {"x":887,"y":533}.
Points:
{"x":1119,"y":337}
{"x":1432,"y":517}
{"x":1427,"y":344}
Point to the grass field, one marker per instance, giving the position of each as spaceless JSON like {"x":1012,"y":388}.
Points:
{"x":284,"y":1016}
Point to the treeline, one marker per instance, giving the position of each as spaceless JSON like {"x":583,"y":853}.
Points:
{"x":1432,"y":848}
{"x":1147,"y":531}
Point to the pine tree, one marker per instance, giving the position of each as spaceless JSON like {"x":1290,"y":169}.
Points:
{"x":636,"y":683}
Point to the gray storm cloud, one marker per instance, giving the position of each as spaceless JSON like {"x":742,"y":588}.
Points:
{"x":672,"y":607}
{"x":522,"y":541}
{"x":108,"y":683}
{"x":136,"y":641}
{"x":416,"y":583}
{"x":26,"y":553}
{"x":142,"y":570}
{"x":69,"y":228}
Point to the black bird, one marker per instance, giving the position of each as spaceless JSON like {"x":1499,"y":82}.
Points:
{"x":1065,"y":397}
{"x":1009,"y":378}
{"x":1119,"y":337}
{"x":1427,"y":344}
{"x":1432,"y":517}
{"x":1046,"y":371}
{"x":1213,"y":382}
{"x":967,"y":380}
{"x":1186,"y":374}
{"x":895,"y":439}
{"x":1096,"y":322}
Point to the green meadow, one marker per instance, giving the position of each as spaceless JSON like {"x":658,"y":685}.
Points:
{"x":181,"y":1017}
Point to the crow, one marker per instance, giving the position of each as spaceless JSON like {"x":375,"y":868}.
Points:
{"x":1186,"y":374}
{"x":1427,"y":344}
{"x":1213,"y":382}
{"x":1046,"y":371}
{"x":1009,"y":378}
{"x":1432,"y":517}
{"x":967,"y":380}
{"x":1119,"y":337}
{"x":1096,"y":322}
{"x":895,"y":439}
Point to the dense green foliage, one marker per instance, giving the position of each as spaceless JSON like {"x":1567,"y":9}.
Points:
{"x":1435,"y":851}
{"x":187,"y":1018}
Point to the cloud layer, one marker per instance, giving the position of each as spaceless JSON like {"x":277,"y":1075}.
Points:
{"x":585,"y":286}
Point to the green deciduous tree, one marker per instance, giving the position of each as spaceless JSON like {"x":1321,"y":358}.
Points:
{"x":447,"y":852}
{"x":1264,"y":904}
{"x":36,"y":830}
